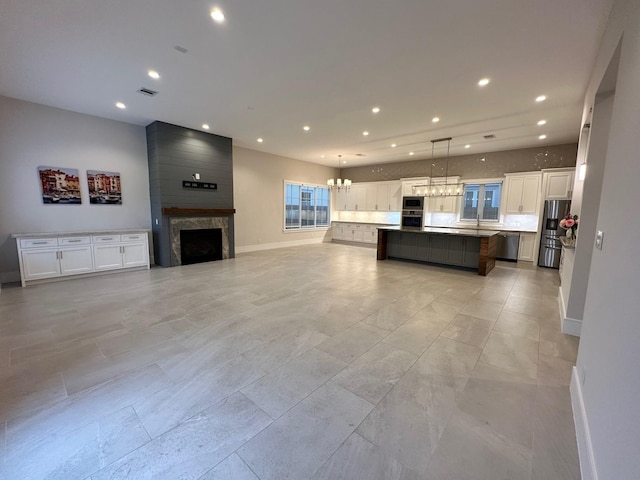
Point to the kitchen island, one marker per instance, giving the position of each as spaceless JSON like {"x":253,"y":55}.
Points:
{"x":466,"y":248}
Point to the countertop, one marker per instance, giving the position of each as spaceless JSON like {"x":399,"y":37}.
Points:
{"x":446,"y":231}
{"x":79,"y":233}
{"x":362,"y":223}
{"x":458,"y":227}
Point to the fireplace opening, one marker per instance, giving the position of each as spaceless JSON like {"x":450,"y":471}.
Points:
{"x":200,"y":245}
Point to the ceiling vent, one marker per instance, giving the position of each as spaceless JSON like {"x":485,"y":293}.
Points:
{"x":360,"y":155}
{"x":489,"y":137}
{"x":147,"y":92}
{"x":180,"y":49}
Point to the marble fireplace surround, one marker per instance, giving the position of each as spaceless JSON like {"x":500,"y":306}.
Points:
{"x":194,"y":219}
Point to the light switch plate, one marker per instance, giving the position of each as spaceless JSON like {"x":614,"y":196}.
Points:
{"x":599,"y":239}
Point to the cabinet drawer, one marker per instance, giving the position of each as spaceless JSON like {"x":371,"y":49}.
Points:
{"x":105,"y":238}
{"x":74,"y":240}
{"x":134,"y":237}
{"x":38,"y":242}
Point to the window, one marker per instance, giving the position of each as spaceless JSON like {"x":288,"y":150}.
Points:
{"x":305,"y":206}
{"x":481,"y":199}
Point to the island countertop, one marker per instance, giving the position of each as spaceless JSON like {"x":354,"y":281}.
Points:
{"x":465,"y":232}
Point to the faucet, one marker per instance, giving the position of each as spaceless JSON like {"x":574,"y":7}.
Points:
{"x":478,"y":220}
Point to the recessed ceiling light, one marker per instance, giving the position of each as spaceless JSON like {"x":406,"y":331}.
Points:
{"x":260,"y":140}
{"x":393,"y":145}
{"x":306,"y":128}
{"x":375,"y":109}
{"x":153,"y":74}
{"x":321,"y":156}
{"x":435,"y":119}
{"x":365,"y":133}
{"x":344,"y":161}
{"x":541,"y":98}
{"x":121,"y":105}
{"x":542,"y":137}
{"x":483,"y":82}
{"x":467,"y":146}
{"x":205,"y":126}
{"x":217,"y":15}
{"x":410,"y":153}
{"x":542,"y":122}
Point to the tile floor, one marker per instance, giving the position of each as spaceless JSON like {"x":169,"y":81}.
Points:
{"x":313,"y":362}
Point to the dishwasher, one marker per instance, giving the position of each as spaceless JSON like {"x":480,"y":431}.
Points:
{"x":507,"y":249}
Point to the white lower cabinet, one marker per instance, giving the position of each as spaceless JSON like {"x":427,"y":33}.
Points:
{"x":47,"y":263}
{"x":63,"y":256}
{"x":355,"y":232}
{"x":40,"y":264}
{"x":527,"y":247}
{"x":123,"y":254}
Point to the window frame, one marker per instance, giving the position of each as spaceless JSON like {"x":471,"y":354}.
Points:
{"x":482,"y":183}
{"x":306,"y":228}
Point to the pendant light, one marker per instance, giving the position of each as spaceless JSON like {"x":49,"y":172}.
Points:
{"x":448,"y":189}
{"x":338,"y":183}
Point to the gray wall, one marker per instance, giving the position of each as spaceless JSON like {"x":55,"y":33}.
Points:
{"x":485,"y":165}
{"x":33,"y":135}
{"x":176,"y":153}
{"x":609,"y":352}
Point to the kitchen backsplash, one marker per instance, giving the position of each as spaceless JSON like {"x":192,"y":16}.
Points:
{"x":392,"y":218}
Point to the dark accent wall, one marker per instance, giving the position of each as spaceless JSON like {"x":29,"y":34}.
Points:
{"x":175,"y":154}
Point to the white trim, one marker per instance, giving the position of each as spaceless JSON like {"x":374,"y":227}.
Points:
{"x":271,"y":246}
{"x":570,"y":326}
{"x":583,"y":435}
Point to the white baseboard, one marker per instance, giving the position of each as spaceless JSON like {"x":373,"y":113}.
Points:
{"x":271,"y":246}
{"x":570,"y":326}
{"x":583,"y":435}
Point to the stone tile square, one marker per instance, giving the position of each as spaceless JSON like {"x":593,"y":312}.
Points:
{"x":297,"y":444}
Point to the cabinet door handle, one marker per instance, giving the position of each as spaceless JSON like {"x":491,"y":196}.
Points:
{"x":57,"y":255}
{"x":60,"y":255}
{"x":73,"y":241}
{"x":39,"y":243}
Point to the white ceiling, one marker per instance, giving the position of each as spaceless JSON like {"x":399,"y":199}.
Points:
{"x":274,"y":66}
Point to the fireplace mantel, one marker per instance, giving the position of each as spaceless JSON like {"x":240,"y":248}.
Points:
{"x":198,"y":211}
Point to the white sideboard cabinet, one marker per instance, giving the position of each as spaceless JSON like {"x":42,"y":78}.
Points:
{"x":58,"y":256}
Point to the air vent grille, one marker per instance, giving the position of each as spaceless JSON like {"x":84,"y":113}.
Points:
{"x":489,"y":137}
{"x":147,"y":92}
{"x":360,"y":155}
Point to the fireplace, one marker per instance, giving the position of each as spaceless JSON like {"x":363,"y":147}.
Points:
{"x":200,"y":245}
{"x":179,"y":226}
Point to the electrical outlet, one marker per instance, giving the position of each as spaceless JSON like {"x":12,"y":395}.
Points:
{"x":599,"y":239}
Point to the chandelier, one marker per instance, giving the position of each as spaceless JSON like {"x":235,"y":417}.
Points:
{"x":338,"y":183}
{"x":445,"y":189}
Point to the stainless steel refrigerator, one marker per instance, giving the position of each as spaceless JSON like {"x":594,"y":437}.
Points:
{"x":550,"y":246}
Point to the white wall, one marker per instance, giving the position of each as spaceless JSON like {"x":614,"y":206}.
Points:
{"x":609,"y":353}
{"x":33,"y":135}
{"x":258,"y":186}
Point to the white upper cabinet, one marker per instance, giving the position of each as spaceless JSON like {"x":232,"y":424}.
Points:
{"x":370,"y":196}
{"x":522,"y":193}
{"x":357,"y":198}
{"x":412,"y":187}
{"x":395,"y":196}
{"x":340,"y":200}
{"x":558,"y":184}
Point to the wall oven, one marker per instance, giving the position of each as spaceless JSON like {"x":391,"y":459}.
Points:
{"x":412,"y":218}
{"x":413,"y":203}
